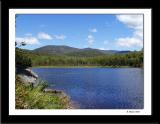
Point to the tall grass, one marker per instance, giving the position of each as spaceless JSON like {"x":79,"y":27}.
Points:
{"x":28,"y":97}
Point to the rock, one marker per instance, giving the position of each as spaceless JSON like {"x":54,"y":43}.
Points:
{"x":27,"y":75}
{"x":28,"y":80}
{"x":47,"y":90}
{"x":33,"y":74}
{"x":26,"y":71}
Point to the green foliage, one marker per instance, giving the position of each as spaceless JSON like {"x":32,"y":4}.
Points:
{"x":86,"y":53}
{"x":35,"y":98}
{"x":133,"y":59}
{"x":22,"y":59}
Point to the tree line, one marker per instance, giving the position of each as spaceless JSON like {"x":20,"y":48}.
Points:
{"x":22,"y":59}
{"x":132,"y":59}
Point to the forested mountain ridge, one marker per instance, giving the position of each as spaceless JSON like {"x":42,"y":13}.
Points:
{"x":87,"y":57}
{"x":71,"y":51}
{"x":53,"y":49}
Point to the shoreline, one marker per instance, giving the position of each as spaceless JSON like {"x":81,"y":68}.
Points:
{"x":83,"y":67}
{"x":31,"y":78}
{"x":60,"y":93}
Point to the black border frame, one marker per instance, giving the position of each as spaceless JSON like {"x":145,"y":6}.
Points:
{"x":70,"y":4}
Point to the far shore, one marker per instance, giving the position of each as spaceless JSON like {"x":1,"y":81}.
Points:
{"x":82,"y":67}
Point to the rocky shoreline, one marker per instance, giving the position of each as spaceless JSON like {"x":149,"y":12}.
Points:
{"x":29,"y":77}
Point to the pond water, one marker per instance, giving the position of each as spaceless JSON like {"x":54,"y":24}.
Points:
{"x":98,"y":88}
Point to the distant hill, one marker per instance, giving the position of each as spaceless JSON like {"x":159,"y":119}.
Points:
{"x":53,"y":49}
{"x":71,"y":51}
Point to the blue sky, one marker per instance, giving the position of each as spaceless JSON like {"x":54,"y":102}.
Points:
{"x":108,"y":32}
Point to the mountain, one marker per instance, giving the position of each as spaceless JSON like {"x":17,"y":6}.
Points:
{"x":71,"y":51}
{"x":53,"y":49}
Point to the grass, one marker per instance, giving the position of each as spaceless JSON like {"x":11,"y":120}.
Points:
{"x":28,"y":97}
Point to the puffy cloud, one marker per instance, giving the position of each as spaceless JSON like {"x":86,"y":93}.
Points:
{"x":90,"y":39}
{"x":27,"y":40}
{"x":129,"y":42}
{"x":135,"y":22}
{"x":132,"y":21}
{"x":44,"y":36}
{"x":93,"y":30}
{"x":138,"y":34}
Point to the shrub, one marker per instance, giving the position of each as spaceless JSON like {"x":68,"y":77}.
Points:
{"x":35,"y":98}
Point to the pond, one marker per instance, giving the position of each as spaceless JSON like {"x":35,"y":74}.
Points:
{"x":98,"y":88}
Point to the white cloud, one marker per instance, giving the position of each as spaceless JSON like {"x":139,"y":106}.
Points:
{"x":59,"y":37}
{"x":134,"y":22}
{"x":93,"y":30}
{"x":44,"y":36}
{"x":27,"y":40}
{"x":138,"y":34}
{"x":90,"y":39}
{"x":129,"y":42}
